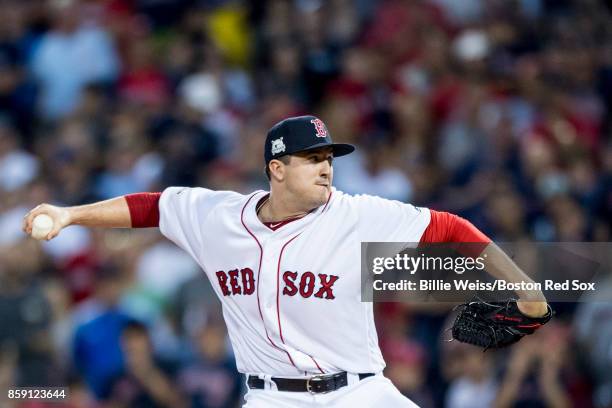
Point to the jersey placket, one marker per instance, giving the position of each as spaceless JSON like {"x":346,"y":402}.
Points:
{"x":274,"y":246}
{"x":276,"y":250}
{"x":267,"y":295}
{"x":265,"y":288}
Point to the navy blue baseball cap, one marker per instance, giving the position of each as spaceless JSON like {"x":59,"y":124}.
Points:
{"x":299,"y":134}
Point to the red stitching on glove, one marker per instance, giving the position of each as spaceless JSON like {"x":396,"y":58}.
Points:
{"x":512,"y":319}
{"x":530,"y":326}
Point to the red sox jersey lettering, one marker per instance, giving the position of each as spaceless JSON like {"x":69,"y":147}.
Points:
{"x":307,"y":285}
{"x":291,"y":308}
{"x":236,"y":282}
{"x":229,"y":282}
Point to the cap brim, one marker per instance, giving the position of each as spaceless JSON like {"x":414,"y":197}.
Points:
{"x":339,"y":149}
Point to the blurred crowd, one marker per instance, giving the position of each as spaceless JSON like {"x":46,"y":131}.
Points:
{"x":497,"y":110}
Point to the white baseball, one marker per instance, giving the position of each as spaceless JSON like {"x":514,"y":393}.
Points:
{"x":41,"y":226}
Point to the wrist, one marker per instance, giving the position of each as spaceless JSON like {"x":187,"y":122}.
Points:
{"x":68,"y":216}
{"x":532,"y":308}
{"x":531,"y":295}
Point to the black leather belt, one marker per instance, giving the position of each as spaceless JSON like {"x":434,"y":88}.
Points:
{"x":319,"y":384}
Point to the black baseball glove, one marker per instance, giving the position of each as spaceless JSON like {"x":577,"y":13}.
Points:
{"x":494,"y":324}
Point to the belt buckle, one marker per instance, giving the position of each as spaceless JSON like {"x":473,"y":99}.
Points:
{"x":316,"y":378}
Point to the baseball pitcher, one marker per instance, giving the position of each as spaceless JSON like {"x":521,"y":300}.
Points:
{"x":285,"y":264}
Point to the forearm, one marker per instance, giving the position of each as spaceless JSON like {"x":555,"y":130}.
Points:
{"x":500,"y":266}
{"x":113,"y":213}
{"x":140,"y":210}
{"x":446,"y":227}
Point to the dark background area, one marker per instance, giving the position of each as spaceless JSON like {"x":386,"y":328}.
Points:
{"x":498,"y":110}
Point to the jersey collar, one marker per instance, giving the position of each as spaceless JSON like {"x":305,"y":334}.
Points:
{"x":292,"y":226}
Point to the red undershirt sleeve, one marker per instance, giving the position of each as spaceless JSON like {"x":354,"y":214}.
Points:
{"x":144,"y":209}
{"x":446,"y":227}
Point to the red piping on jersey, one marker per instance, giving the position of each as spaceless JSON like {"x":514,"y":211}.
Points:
{"x":280,"y":329}
{"x":276,"y":225}
{"x":317,"y":364}
{"x":328,"y":200}
{"x":258,"y":273}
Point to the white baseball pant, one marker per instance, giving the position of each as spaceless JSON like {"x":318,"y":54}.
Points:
{"x":375,"y":392}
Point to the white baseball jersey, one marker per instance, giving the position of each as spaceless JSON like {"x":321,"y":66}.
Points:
{"x":291,"y":296}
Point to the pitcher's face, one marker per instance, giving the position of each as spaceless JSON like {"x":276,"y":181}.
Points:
{"x":309,"y":176}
